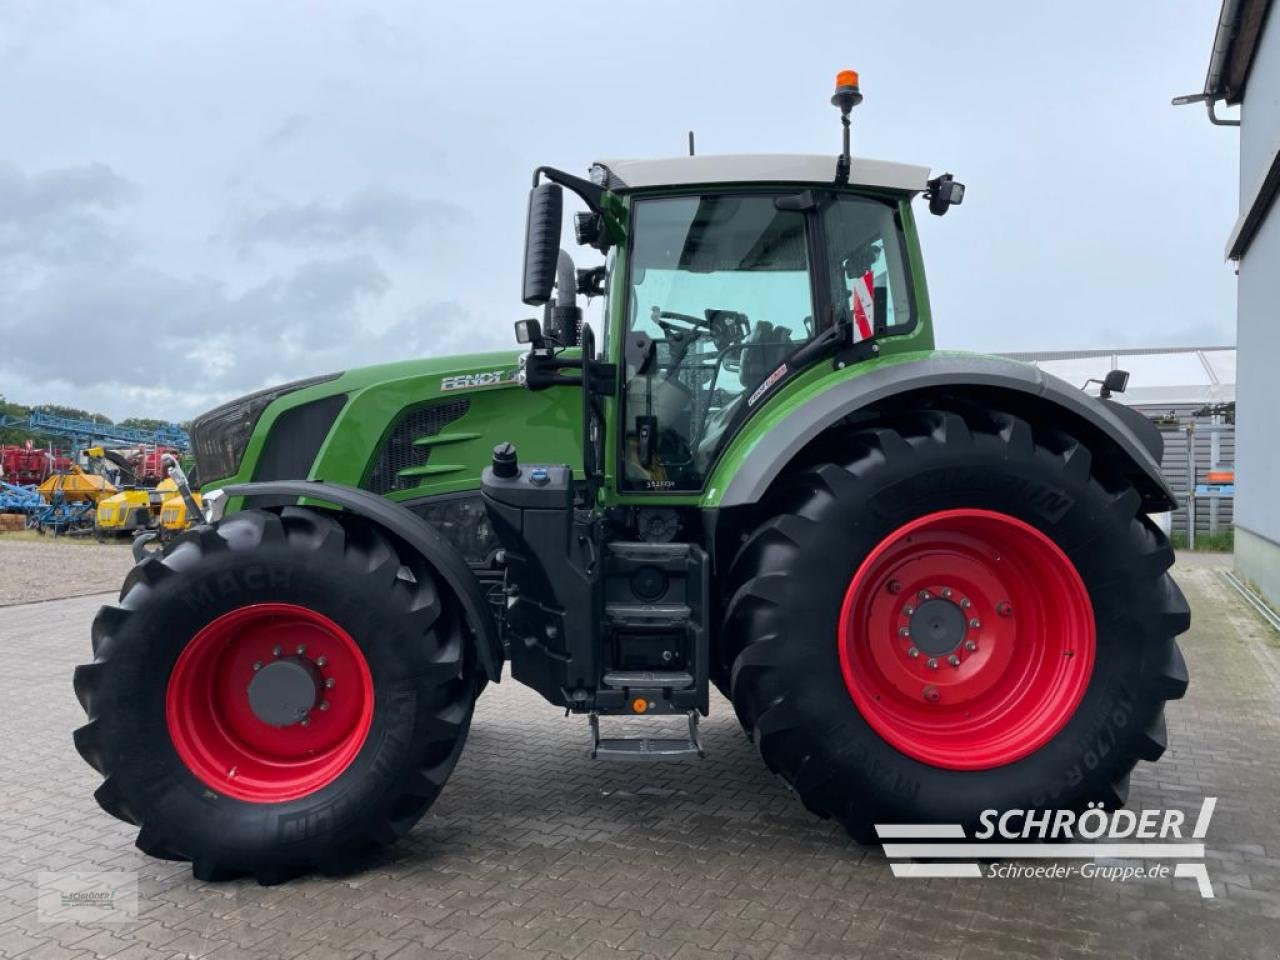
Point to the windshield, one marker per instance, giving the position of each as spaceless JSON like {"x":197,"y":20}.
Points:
{"x":720,"y":285}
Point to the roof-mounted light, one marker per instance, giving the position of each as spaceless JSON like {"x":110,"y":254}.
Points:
{"x":847,"y":96}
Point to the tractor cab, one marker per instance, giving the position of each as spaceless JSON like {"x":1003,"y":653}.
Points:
{"x":727,"y":278}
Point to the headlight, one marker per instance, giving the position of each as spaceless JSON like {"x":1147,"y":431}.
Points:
{"x":220,"y":437}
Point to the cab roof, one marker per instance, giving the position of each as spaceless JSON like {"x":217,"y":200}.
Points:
{"x":624,"y":175}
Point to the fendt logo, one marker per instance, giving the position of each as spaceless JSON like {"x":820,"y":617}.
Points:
{"x":1109,"y":836}
{"x":468,"y":381}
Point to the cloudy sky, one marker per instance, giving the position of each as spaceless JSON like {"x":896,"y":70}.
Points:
{"x":200,"y":199}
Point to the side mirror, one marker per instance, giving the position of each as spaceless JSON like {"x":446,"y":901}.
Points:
{"x":944,"y":193}
{"x":1116,"y":381}
{"x":542,"y":242}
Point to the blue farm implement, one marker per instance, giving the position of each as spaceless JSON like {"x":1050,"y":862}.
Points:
{"x":61,"y":516}
{"x":15,"y":498}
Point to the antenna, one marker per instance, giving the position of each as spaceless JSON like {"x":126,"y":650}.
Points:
{"x":691,"y":143}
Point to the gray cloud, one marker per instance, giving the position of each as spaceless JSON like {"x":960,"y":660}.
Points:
{"x":383,"y":216}
{"x":61,"y":215}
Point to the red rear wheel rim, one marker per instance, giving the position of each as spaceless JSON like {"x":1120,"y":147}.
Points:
{"x":967,"y":639}
{"x":227,"y":744}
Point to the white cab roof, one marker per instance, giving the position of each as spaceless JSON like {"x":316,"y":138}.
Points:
{"x":761,"y":168}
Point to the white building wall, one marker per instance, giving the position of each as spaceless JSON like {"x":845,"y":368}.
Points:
{"x":1257,"y":515}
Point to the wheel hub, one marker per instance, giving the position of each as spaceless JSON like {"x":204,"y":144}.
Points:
{"x":285,"y":691}
{"x":937,"y":627}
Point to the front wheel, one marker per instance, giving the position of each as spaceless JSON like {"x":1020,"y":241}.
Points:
{"x":985,"y":622}
{"x":281,"y":693}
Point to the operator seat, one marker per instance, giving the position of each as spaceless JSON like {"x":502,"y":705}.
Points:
{"x":762,"y":352}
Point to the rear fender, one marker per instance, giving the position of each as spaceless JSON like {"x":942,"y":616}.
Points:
{"x":401,"y":522}
{"x":1133,"y":442}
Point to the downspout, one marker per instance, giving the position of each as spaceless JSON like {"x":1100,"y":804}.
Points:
{"x":1222,"y":39}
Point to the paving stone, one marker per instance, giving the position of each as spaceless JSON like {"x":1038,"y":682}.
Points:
{"x":535,"y":851}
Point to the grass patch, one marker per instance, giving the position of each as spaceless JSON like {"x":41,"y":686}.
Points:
{"x":1224,"y":541}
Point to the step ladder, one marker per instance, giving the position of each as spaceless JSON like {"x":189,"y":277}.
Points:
{"x":646,"y":748}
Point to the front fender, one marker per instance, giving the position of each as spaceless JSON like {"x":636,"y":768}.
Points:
{"x":413,"y":530}
{"x":768,"y":446}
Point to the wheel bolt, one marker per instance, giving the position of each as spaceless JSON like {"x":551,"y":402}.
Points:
{"x":276,"y":651}
{"x":953,"y":660}
{"x":908,"y":611}
{"x":301,"y":649}
{"x":946,"y":591}
{"x":305,"y":721}
{"x":895,"y":586}
{"x":924,"y":594}
{"x":324,"y":704}
{"x":913,"y":653}
{"x":964,"y":602}
{"x":322,"y":661}
{"x":904,"y":631}
{"x":970,"y":646}
{"x":975,"y":623}
{"x":1004,"y":608}
{"x":933,"y":663}
{"x":330,"y":682}
{"x":257,"y":665}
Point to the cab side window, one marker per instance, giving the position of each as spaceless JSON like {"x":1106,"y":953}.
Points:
{"x":866,"y":261}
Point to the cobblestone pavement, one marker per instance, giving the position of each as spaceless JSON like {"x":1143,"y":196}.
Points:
{"x":535,"y":851}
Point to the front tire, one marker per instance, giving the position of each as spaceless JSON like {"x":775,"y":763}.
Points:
{"x":985,"y":622}
{"x":281,"y":693}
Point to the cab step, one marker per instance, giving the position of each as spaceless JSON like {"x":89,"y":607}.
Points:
{"x":624,"y":679}
{"x":646,"y":748}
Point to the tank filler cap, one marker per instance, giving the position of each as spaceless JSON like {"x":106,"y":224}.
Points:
{"x":505,"y":464}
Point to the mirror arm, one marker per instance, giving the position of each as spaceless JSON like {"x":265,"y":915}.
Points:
{"x":592,"y":194}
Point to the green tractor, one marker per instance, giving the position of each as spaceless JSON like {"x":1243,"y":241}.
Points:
{"x":926,"y":581}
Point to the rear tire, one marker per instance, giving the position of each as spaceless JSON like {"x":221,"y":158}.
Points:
{"x":822,"y":675}
{"x":369,"y":628}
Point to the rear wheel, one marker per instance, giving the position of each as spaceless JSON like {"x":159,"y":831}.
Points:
{"x":986,"y":623}
{"x":277,"y":694}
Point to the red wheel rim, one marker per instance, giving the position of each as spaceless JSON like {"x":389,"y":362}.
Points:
{"x":967,"y":639}
{"x":222,"y":737}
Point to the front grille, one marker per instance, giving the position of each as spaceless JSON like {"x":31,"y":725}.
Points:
{"x":398,"y":451}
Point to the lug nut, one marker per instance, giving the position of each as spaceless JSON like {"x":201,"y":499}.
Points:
{"x":923,"y":594}
{"x":933,"y":663}
{"x":913,"y":653}
{"x":330,"y":682}
{"x":904,"y":631}
{"x":964,"y":602}
{"x":953,"y":660}
{"x":324,"y":704}
{"x":257,"y":665}
{"x":1004,"y":608}
{"x":276,"y":651}
{"x":975,"y":623}
{"x":970,"y":646}
{"x":301,"y":649}
{"x":946,"y":591}
{"x":322,"y":661}
{"x":908,"y":611}
{"x":305,"y":721}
